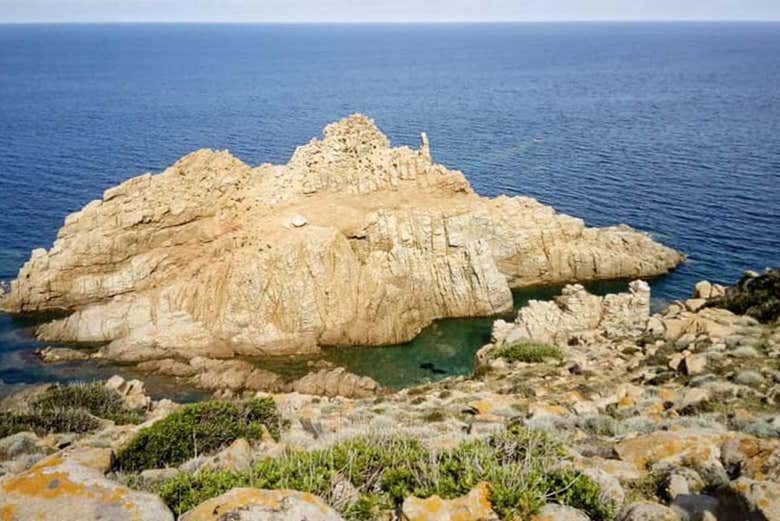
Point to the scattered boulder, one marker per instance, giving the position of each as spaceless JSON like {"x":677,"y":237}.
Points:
{"x":232,"y":375}
{"x":61,"y":354}
{"x":555,"y":512}
{"x":133,"y":392}
{"x":647,"y":511}
{"x":474,"y":506}
{"x":237,"y":457}
{"x":762,"y":497}
{"x":694,"y":399}
{"x":67,"y":491}
{"x":336,"y":382}
{"x":251,"y":504}
{"x":749,"y":378}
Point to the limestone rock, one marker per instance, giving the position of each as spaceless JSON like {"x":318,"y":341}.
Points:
{"x":233,"y":375}
{"x":702,"y":290}
{"x":555,"y":512}
{"x":251,"y":504}
{"x":66,"y":491}
{"x":61,"y":354}
{"x":132,"y":391}
{"x":474,"y":506}
{"x":700,"y":451}
{"x":336,"y":382}
{"x":194,"y":262}
{"x":647,"y":511}
{"x":755,"y":458}
{"x":237,"y":457}
{"x":695,"y":507}
{"x":760,"y":496}
{"x":578,"y":315}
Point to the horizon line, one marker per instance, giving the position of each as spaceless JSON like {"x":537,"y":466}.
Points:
{"x":388,"y":22}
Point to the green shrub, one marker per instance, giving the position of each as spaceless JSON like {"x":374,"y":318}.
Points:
{"x":521,"y":466}
{"x":45,"y":421}
{"x":198,"y":428}
{"x":69,"y":408}
{"x":530,"y":352}
{"x":94,"y":398}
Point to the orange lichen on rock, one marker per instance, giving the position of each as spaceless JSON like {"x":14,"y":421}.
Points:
{"x":65,"y":490}
{"x":266,"y":504}
{"x":474,"y":506}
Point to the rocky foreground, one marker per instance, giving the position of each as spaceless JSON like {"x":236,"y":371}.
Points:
{"x":350,"y":243}
{"x":587,"y":407}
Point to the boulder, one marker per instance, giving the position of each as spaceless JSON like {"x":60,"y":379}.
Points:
{"x":695,"y":507}
{"x":198,"y":260}
{"x":61,"y":354}
{"x":132,"y":391}
{"x":555,"y":512}
{"x":237,"y":457}
{"x":251,"y":504}
{"x":67,"y":491}
{"x":755,"y":295}
{"x":748,"y":456}
{"x":647,"y":511}
{"x":699,"y":451}
{"x":474,"y":506}
{"x":762,"y":497}
{"x":336,"y":382}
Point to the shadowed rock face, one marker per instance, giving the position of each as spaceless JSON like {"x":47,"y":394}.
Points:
{"x":352,"y":242}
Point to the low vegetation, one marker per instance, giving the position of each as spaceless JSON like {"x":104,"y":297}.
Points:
{"x":198,"y":428}
{"x":523,"y":468}
{"x":757,"y":296}
{"x":69,"y":408}
{"x":529,"y":352}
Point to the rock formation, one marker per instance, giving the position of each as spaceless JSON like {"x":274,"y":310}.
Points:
{"x":352,"y":242}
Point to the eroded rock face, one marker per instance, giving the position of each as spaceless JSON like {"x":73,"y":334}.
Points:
{"x":251,"y":504}
{"x":352,"y":242}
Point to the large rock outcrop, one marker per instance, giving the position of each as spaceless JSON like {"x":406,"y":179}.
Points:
{"x":351,"y":242}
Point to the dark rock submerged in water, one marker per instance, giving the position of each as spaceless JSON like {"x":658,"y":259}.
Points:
{"x":429,"y":366}
{"x":755,"y":295}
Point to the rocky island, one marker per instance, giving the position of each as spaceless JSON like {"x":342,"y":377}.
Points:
{"x":352,"y":242}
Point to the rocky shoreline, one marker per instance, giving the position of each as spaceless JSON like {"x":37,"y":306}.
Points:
{"x":586,"y":407}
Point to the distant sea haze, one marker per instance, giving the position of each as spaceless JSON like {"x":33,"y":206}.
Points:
{"x":672,"y":128}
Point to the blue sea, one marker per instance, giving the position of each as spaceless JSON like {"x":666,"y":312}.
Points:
{"x":673,"y":128}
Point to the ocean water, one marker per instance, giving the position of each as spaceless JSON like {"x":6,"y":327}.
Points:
{"x":673,"y":128}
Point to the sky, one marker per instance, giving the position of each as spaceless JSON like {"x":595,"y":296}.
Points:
{"x":382,"y":10}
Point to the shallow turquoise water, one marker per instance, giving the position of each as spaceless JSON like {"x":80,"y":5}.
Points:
{"x":445,"y":348}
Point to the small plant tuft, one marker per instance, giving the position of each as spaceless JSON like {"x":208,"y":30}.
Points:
{"x":529,"y":352}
